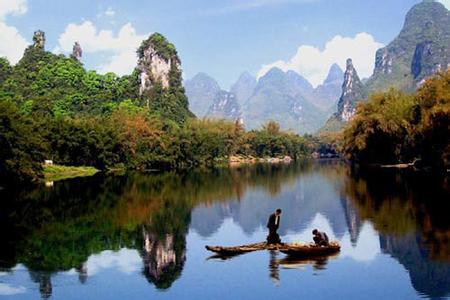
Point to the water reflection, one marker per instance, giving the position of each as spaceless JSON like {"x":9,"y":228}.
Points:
{"x":410,"y":215}
{"x":318,"y":263}
{"x":273,"y":267}
{"x":64,"y":228}
{"x":163,"y":261}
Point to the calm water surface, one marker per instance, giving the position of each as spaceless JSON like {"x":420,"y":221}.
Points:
{"x":142,"y":236}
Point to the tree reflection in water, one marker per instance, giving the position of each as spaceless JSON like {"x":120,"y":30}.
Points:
{"x":410,"y":212}
{"x":57,"y":229}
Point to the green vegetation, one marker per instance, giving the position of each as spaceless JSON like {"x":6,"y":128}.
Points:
{"x":45,"y":84}
{"x":52,"y":108}
{"x":160,"y":44}
{"x":426,"y":25}
{"x":394,"y":127}
{"x":166,"y":102}
{"x":56,"y":172}
{"x":21,"y":151}
{"x":112,"y":212}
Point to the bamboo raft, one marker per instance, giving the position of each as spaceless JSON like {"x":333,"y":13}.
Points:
{"x":299,"y":250}
{"x":311,"y":250}
{"x":235,"y":250}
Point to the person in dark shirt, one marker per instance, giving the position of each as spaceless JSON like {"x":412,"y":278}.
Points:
{"x":320,"y":238}
{"x":273,"y":224}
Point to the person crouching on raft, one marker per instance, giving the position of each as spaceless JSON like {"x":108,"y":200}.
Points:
{"x":320,"y":238}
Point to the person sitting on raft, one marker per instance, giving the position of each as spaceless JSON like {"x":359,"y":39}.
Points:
{"x":320,"y":238}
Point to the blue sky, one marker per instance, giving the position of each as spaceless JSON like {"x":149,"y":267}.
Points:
{"x":220,"y":37}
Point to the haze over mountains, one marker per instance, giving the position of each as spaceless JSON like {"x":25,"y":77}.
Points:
{"x":285,"y":97}
{"x":420,"y":50}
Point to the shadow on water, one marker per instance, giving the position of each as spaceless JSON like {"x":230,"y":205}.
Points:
{"x":55,"y":229}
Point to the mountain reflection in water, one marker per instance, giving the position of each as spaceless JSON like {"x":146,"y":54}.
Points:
{"x":144,"y":220}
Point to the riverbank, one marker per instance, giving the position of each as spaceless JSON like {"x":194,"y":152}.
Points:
{"x":241,"y":160}
{"x":58,"y":172}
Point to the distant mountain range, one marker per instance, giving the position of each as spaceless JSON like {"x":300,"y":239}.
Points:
{"x":420,"y":50}
{"x":285,"y":97}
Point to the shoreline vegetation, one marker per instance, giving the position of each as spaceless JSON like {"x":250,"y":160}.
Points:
{"x":58,"y":172}
{"x":51,"y":106}
{"x":399,"y":130}
{"x":61,"y":172}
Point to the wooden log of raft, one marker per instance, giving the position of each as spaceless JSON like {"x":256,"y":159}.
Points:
{"x":234,"y":250}
{"x":291,"y":249}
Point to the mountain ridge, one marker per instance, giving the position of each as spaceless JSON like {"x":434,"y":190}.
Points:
{"x":303,"y":98}
{"x":420,"y":50}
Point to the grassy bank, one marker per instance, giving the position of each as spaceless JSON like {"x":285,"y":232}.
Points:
{"x":57,"y":172}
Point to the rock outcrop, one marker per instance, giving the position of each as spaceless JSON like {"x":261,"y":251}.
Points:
{"x":383,"y":62}
{"x":77,"y":52}
{"x":39,"y":39}
{"x":244,"y":87}
{"x":429,"y":58}
{"x":352,"y":92}
{"x":160,"y":81}
{"x":157,"y":58}
{"x":420,"y":50}
{"x":326,"y":95}
{"x":225,"y":106}
{"x":201,"y":91}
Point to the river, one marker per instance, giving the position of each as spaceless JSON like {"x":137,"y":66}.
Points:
{"x":134,"y":236}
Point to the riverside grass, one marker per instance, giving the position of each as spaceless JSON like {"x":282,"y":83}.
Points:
{"x":58,"y":172}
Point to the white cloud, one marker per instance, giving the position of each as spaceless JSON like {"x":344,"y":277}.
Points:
{"x":446,"y":3}
{"x":12,"y":7}
{"x":367,"y":246}
{"x":110,"y":12}
{"x":12,"y":43}
{"x":314,"y":63}
{"x":125,"y":260}
{"x":120,"y":48}
{"x":8,"y":290}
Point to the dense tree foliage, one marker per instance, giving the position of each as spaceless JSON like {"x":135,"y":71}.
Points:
{"x":394,"y":127}
{"x":160,"y":45}
{"x":52,"y":108}
{"x":50,"y":85}
{"x":21,"y":151}
{"x":131,"y":139}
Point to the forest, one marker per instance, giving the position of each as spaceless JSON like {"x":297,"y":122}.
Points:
{"x":51,"y":108}
{"x":396,"y":127}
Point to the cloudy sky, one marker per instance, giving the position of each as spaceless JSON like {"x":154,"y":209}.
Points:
{"x":219,"y":37}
